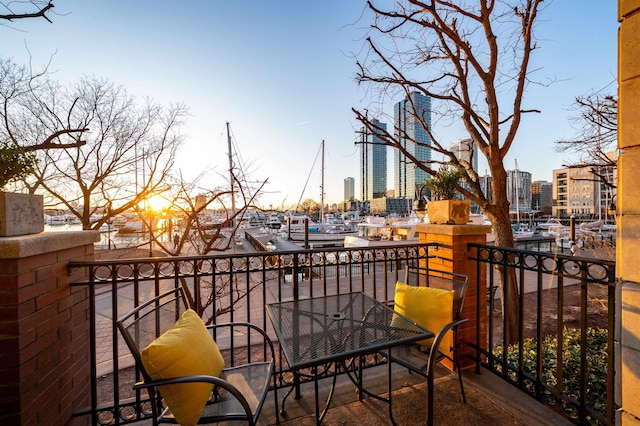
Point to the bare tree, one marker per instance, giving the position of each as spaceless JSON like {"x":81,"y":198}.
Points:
{"x":472,"y":60}
{"x":200,"y":221}
{"x":127,"y":155}
{"x":309,"y":206}
{"x":14,"y":10}
{"x":19,"y":85}
{"x":595,"y":143}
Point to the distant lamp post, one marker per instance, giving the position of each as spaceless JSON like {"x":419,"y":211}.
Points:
{"x":109,"y":225}
{"x":420,"y":205}
{"x":611,"y":207}
{"x":150,"y":213}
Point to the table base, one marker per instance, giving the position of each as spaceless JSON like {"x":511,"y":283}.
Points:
{"x":355,"y":375}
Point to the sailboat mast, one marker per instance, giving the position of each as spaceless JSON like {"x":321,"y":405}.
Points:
{"x":231,"y":179}
{"x":322,"y":187}
{"x":517,"y":184}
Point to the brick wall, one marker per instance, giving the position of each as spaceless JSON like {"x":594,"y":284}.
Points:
{"x":454,"y":258}
{"x":44,"y":330}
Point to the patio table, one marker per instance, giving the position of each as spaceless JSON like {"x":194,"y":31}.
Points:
{"x":337,"y":330}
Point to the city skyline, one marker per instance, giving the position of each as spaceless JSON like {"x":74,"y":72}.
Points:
{"x":409,"y":114}
{"x":373,"y":164}
{"x":283,"y":75}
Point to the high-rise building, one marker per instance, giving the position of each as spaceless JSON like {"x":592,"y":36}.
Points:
{"x":411,"y":115}
{"x":519,"y":191}
{"x":373,"y":164}
{"x":485,"y":184}
{"x":349,"y":189}
{"x":466,"y":152}
{"x":541,"y":196}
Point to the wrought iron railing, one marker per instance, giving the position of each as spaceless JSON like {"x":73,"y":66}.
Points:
{"x":564,"y":350}
{"x":237,"y":287}
{"x":224,"y":288}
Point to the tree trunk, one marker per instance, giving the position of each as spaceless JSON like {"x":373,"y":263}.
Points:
{"x":507,"y":281}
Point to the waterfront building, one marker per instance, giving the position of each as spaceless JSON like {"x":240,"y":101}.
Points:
{"x":349,"y":189}
{"x":485,"y":185}
{"x":411,"y":115}
{"x":467,"y":153}
{"x":541,"y":196}
{"x":201,"y":202}
{"x":580,"y":192}
{"x":373,"y":164}
{"x":390,"y":205}
{"x":574,"y":192}
{"x":519,"y":191}
{"x":354,"y":205}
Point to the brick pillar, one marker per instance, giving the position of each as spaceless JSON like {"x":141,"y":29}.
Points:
{"x":453,"y":257}
{"x":628,"y":217}
{"x":44,"y":329}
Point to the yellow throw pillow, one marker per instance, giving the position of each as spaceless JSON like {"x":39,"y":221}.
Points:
{"x":186,"y":349}
{"x":430,"y":307}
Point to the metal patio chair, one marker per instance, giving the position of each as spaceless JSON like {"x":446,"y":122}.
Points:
{"x":422,"y":360}
{"x":238,"y":394}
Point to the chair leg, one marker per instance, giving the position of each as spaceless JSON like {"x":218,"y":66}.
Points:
{"x":455,"y":358}
{"x":156,"y":405}
{"x":275,"y":398}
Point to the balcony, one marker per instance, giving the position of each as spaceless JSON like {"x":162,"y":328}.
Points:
{"x":500,"y":389}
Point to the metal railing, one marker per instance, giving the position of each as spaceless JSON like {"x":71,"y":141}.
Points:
{"x":236,"y":288}
{"x":564,"y":355}
{"x":545,"y":244}
{"x":223,"y":288}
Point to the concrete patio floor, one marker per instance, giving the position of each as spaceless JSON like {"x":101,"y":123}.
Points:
{"x":490,"y":401}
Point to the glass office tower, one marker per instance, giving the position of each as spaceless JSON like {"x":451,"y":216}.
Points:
{"x":373,"y":164}
{"x":349,"y":189}
{"x":409,"y":129}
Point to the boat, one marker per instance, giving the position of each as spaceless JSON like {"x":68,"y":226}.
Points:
{"x":331,"y":230}
{"x":556,"y":231}
{"x":552,"y":222}
{"x":62,"y":219}
{"x":131,"y":227}
{"x":378,"y":231}
{"x":56,"y":220}
{"x":520,"y":230}
{"x":274,"y":221}
{"x":293,"y":228}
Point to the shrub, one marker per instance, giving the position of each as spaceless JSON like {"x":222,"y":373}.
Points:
{"x":596,"y":397}
{"x":15,"y":163}
{"x":444,"y":184}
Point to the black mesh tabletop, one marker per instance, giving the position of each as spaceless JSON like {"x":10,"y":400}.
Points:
{"x":331,"y":328}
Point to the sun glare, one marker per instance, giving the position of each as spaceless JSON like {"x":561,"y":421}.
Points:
{"x":158,"y":203}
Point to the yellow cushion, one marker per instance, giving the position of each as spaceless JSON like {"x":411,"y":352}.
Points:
{"x":430,"y":307}
{"x":186,"y":349}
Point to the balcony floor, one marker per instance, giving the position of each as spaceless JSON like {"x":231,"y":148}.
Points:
{"x":490,"y":401}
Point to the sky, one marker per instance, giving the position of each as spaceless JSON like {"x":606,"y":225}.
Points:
{"x":282,"y":73}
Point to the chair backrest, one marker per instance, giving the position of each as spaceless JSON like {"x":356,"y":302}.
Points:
{"x":146,"y":322}
{"x":416,"y":275}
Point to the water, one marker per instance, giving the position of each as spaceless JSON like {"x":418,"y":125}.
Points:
{"x":108,"y":238}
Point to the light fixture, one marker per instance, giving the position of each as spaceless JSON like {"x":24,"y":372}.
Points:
{"x":420,"y":205}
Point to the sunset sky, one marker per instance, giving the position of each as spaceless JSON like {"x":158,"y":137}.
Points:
{"x":283,"y":74}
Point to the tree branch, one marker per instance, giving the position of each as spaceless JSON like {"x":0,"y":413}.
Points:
{"x":50,"y":144}
{"x":39,"y":14}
